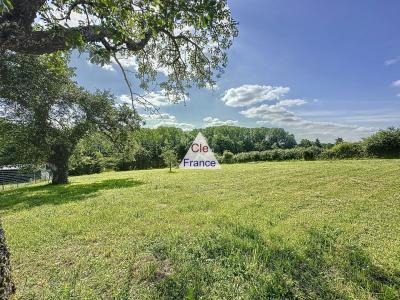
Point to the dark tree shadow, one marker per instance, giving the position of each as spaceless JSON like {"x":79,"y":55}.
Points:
{"x":28,"y":197}
{"x":236,"y":262}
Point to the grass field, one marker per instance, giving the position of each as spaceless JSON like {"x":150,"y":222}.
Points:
{"x":305,"y":230}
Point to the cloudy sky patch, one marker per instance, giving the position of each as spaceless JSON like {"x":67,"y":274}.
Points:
{"x":278,"y":65}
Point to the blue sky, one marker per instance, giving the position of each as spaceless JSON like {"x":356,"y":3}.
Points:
{"x":323,"y":69}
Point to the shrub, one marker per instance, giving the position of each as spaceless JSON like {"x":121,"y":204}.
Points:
{"x":269,"y":155}
{"x":265,"y":155}
{"x":227,"y":157}
{"x":277,"y":154}
{"x":311,"y":153}
{"x":385,"y":143}
{"x":326,"y":154}
{"x":80,"y":165}
{"x":242,"y":157}
{"x":348,"y":150}
{"x":125,"y":164}
{"x":295,"y":153}
{"x":218,"y":157}
{"x":247,"y":156}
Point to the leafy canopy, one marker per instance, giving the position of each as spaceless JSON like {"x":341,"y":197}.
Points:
{"x":48,"y":113}
{"x":169,"y":157}
{"x":187,"y":39}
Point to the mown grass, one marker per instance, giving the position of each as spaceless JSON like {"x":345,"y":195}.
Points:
{"x":304,"y":230}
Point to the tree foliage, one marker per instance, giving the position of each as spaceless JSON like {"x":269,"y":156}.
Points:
{"x":53,"y":114}
{"x":385,"y":143}
{"x":143,"y":148}
{"x":305,"y":143}
{"x":188,"y":39}
{"x":169,"y":157}
{"x":348,"y":150}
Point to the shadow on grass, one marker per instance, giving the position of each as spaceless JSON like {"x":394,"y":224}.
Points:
{"x":236,"y":262}
{"x":27,"y":197}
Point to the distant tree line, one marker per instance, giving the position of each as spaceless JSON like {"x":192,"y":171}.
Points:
{"x":147,"y":148}
{"x":383,"y":144}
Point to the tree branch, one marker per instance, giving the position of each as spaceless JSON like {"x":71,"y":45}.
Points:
{"x":48,"y":41}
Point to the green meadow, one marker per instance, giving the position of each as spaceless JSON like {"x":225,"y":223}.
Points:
{"x":272,"y":230}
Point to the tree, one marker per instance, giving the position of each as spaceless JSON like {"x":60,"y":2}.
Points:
{"x":6,"y":284}
{"x":188,"y":40}
{"x":317,"y":143}
{"x":339,"y":140}
{"x":36,"y":94}
{"x":384,"y":143}
{"x":169,"y":157}
{"x":305,"y":143}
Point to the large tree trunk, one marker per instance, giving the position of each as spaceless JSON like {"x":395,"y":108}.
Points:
{"x":59,"y":163}
{"x":6,"y":285}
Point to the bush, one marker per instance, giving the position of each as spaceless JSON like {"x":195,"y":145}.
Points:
{"x":277,"y":154}
{"x":227,"y":157}
{"x":385,"y":143}
{"x":326,"y":154}
{"x":125,"y":165}
{"x":247,"y":157}
{"x":80,"y":165}
{"x":295,"y":153}
{"x":348,"y":150}
{"x":269,"y":155}
{"x":311,"y":153}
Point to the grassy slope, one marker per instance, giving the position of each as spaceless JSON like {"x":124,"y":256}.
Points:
{"x":279,"y":230}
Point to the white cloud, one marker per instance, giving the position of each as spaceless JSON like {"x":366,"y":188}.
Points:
{"x":158,"y":117}
{"x":76,"y":19}
{"x":291,"y":102}
{"x":130,"y":63}
{"x":162,"y":99}
{"x":164,"y":119}
{"x":274,"y":115}
{"x":126,"y":63}
{"x":125,"y":99}
{"x":156,"y":99}
{"x":392,"y":61}
{"x":396,"y":83}
{"x":250,"y":94}
{"x":212,"y":87}
{"x":183,"y":126}
{"x":210,"y":121}
{"x":108,"y":67}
